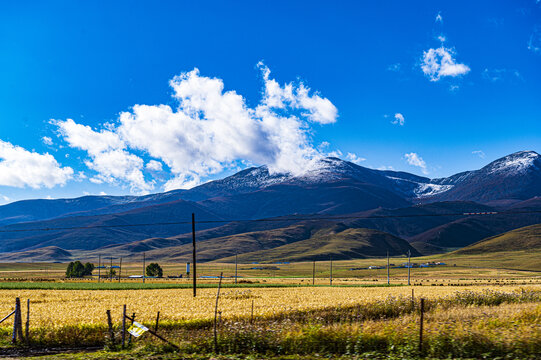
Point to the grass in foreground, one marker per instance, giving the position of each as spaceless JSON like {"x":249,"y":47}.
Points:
{"x":490,"y":324}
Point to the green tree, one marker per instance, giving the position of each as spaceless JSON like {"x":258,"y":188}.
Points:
{"x":153,"y":269}
{"x":89,"y":267}
{"x":75,"y":269}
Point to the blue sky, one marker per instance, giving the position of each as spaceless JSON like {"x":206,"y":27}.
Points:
{"x":434,"y":89}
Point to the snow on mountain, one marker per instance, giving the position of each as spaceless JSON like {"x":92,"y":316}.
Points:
{"x":332,"y":169}
{"x":513,"y":164}
{"x":425,"y":190}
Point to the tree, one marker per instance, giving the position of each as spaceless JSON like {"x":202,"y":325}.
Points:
{"x":75,"y":269}
{"x":153,"y":269}
{"x":89,"y":267}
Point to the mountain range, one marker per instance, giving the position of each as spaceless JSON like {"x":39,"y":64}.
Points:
{"x":364,"y":208}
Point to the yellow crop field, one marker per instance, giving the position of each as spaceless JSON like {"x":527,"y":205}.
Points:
{"x":56,"y":308}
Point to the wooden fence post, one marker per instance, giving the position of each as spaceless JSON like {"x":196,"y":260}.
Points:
{"x":421,"y":325}
{"x":252,"y":317}
{"x":110,"y":324}
{"x":157,"y":322}
{"x":132,"y":320}
{"x":27,"y":332}
{"x":124,"y":325}
{"x":16,"y":320}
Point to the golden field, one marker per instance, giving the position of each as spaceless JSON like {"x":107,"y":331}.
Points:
{"x":56,"y":308}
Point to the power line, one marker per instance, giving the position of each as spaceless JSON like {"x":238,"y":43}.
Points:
{"x":281,"y":219}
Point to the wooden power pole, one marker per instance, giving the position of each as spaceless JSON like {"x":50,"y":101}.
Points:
{"x":409,"y":266}
{"x":193,"y":258}
{"x":388,"y":270}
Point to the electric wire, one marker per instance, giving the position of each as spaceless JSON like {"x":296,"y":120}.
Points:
{"x":277,"y":219}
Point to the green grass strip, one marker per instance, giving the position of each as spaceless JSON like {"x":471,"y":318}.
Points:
{"x":149,"y":286}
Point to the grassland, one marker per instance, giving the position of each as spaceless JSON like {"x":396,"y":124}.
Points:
{"x":310,"y":323}
{"x":525,"y":238}
{"x":358,"y":316}
{"x":486,"y":266}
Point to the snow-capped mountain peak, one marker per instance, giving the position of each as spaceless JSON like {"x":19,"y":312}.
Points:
{"x":513,"y":164}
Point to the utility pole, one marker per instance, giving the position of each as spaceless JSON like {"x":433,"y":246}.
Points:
{"x":331,"y":272}
{"x":236,"y":267}
{"x":314,"y":273}
{"x":193,"y":257}
{"x":144,"y":260}
{"x":409,"y":266}
{"x":120,"y":269}
{"x":388,"y":269}
{"x":111,"y":270}
{"x":99,"y":267}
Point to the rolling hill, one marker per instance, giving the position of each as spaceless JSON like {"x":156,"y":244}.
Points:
{"x":309,"y":240}
{"x":45,"y":254}
{"x":338,"y":243}
{"x":523,"y":239}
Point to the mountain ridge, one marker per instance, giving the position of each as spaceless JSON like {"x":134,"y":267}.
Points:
{"x":336,"y":187}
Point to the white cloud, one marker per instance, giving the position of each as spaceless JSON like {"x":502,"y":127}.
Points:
{"x":22,"y":168}
{"x":398,"y":119}
{"x":479,"y":153}
{"x":439,"y":18}
{"x":108,"y":155}
{"x":354,"y":158}
{"x":415,"y":160}
{"x":154,"y":165}
{"x":209,"y":131}
{"x":319,"y":109}
{"x":80,"y":176}
{"x":47,"y":140}
{"x":534,"y":43}
{"x":442,"y":38}
{"x":440,"y":62}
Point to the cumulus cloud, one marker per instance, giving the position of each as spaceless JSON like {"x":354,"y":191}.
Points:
{"x":415,"y":160}
{"x":22,"y":168}
{"x":479,"y":153}
{"x":440,"y":62}
{"x":108,"y":155}
{"x":442,"y":38}
{"x":209,"y":130}
{"x":354,"y":158}
{"x":154,"y":165}
{"x":398,"y":119}
{"x":439,"y":18}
